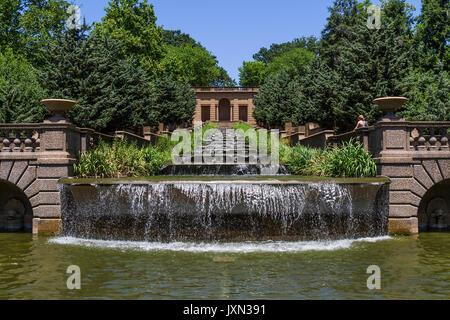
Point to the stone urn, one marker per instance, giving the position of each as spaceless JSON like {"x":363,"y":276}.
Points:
{"x":390,"y":105}
{"x":58,"y":107}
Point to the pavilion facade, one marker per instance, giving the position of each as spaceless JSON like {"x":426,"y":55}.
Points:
{"x":225,"y":106}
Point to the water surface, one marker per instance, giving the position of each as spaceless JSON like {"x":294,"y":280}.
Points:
{"x":416,"y":267}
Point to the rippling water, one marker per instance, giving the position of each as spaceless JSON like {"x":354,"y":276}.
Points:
{"x":414,"y":267}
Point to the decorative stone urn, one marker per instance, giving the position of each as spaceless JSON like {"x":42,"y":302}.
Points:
{"x":58,"y":107}
{"x":390,"y":105}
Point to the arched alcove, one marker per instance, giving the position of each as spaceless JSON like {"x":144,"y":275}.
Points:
{"x":434,"y":209}
{"x":224,"y":110}
{"x":16,"y":214}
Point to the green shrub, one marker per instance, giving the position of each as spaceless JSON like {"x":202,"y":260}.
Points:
{"x":299,"y":159}
{"x":349,"y":160}
{"x":121,"y":160}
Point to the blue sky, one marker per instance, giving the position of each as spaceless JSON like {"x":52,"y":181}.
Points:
{"x":233,"y":30}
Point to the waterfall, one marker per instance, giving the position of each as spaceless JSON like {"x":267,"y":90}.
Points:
{"x":225,"y":210}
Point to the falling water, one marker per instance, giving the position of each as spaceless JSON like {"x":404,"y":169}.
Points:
{"x":180,"y":211}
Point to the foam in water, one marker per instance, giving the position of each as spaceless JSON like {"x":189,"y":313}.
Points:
{"x":240,"y":247}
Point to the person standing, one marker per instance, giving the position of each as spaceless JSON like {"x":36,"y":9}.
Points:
{"x":362,"y":123}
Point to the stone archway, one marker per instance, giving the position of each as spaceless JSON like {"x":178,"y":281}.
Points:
{"x":224,"y":110}
{"x":16,"y":213}
{"x":434,"y":208}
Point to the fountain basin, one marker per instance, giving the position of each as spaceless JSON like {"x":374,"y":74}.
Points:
{"x":224,"y":208}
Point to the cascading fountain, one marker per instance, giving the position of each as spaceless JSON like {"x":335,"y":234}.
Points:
{"x":206,"y":203}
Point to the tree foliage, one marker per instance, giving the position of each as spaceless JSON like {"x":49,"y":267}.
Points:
{"x":20,"y":91}
{"x":27,"y":26}
{"x":277,"y":101}
{"x":133,"y":23}
{"x":112,"y":93}
{"x":192,"y":64}
{"x":432,"y":35}
{"x":252,"y":73}
{"x":174,"y":102}
{"x":268,"y":55}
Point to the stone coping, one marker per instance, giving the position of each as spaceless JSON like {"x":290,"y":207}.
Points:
{"x":286,"y":180}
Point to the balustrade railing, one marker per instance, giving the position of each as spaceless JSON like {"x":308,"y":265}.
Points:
{"x":428,"y":136}
{"x":20,"y":138}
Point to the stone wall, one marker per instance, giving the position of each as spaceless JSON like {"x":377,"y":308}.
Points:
{"x":33,"y":157}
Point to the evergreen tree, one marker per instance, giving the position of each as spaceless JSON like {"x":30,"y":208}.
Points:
{"x":116,"y":92}
{"x":432,"y":35}
{"x":368,"y":63}
{"x":278,"y":101}
{"x":428,"y":95}
{"x":112,"y":93}
{"x":20,"y":91}
{"x":174,"y":102}
{"x":339,"y":30}
{"x":321,"y":99}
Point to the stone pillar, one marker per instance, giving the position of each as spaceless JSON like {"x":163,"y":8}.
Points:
{"x":60,"y":144}
{"x":389,"y":143}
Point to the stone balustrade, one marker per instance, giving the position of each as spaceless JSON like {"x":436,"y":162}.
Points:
{"x":415,"y":155}
{"x":20,"y":138}
{"x":426,"y":136}
{"x":33,"y":157}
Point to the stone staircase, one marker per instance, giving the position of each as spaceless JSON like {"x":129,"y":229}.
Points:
{"x":223,"y":152}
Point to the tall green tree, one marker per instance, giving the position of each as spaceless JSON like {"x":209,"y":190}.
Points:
{"x":10,"y":13}
{"x":432,"y":35}
{"x":428,"y":95}
{"x":321,"y":98}
{"x":27,"y":26}
{"x":252,"y":73}
{"x":277,"y":101}
{"x":369,"y":63}
{"x":133,"y":23}
{"x":112,"y":92}
{"x":193,"y":64}
{"x":174,"y":101}
{"x":268,"y":55}
{"x":294,"y":62}
{"x":20,"y":91}
{"x":177,"y":38}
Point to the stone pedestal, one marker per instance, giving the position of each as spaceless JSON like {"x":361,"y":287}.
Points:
{"x":60,"y":144}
